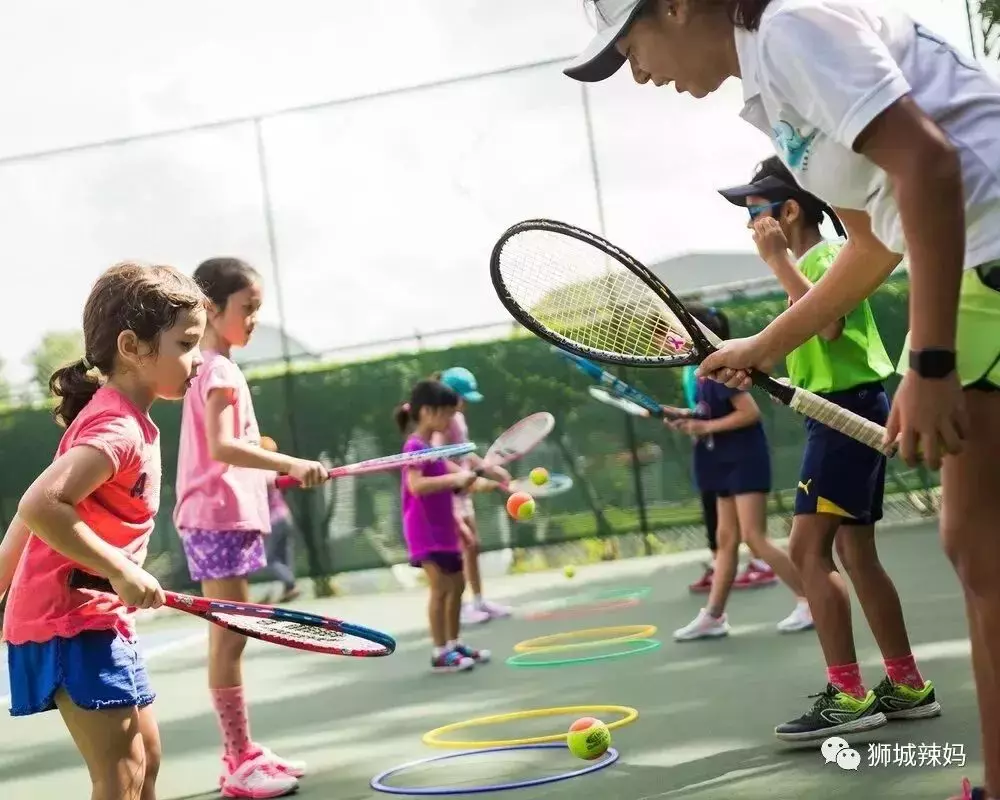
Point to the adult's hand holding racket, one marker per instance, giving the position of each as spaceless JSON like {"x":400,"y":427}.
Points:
{"x":581,"y":293}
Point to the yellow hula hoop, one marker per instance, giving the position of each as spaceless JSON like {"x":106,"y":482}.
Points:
{"x":432,"y":738}
{"x":619,"y":633}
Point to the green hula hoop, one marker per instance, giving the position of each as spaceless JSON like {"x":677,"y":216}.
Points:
{"x":632,"y":648}
{"x":622,"y":594}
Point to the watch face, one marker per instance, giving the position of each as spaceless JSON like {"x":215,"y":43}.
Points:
{"x":932,"y":363}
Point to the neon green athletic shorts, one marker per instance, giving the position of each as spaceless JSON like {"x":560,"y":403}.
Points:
{"x":978,"y":329}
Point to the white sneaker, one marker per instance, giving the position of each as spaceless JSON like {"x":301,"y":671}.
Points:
{"x":258,"y":778}
{"x":704,"y":626}
{"x":474,"y":616}
{"x":495,"y":610}
{"x":799,"y":620}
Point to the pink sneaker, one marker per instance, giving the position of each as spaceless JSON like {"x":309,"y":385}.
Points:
{"x":755,"y":574}
{"x":969,"y":792}
{"x":297,"y":769}
{"x":704,"y":583}
{"x":258,"y":778}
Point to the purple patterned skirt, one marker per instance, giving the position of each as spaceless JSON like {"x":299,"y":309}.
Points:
{"x":215,"y":555}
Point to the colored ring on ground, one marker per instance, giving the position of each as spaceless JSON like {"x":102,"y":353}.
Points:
{"x":615,"y":633}
{"x":614,"y":594}
{"x":520,"y":660}
{"x":378,"y":782}
{"x":571,"y":610}
{"x":432,"y":738}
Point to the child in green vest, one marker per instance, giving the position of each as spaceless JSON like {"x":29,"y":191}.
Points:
{"x":841,"y":484}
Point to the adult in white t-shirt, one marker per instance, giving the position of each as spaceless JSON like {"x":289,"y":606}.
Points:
{"x":900,"y":133}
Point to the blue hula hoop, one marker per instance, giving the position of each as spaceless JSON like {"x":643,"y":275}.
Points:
{"x":377,"y":783}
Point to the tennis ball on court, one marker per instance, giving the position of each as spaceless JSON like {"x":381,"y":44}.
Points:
{"x":569,"y":570}
{"x":539,"y":476}
{"x":521,"y":506}
{"x":588,"y":738}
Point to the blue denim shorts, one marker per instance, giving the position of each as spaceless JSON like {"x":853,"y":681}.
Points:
{"x":98,"y":669}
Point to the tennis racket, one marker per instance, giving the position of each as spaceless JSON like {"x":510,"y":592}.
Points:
{"x":389,"y":463}
{"x":518,"y":440}
{"x":295,"y":629}
{"x":614,"y":387}
{"x":584,"y":295}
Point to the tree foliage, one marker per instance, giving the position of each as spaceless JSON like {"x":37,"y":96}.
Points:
{"x":56,"y":349}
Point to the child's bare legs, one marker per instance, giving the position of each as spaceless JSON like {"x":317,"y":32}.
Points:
{"x":437,"y":603}
{"x":971,"y":486}
{"x":875,"y":589}
{"x":455,"y":584}
{"x":752,"y":512}
{"x":225,"y":648}
{"x":727,"y":555}
{"x":470,"y":555}
{"x":811,"y":549}
{"x":113,"y":742}
{"x":711,"y":620}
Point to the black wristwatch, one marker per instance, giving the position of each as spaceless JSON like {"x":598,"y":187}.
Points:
{"x":933,"y":362}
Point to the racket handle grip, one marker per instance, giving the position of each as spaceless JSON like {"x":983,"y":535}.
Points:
{"x":841,"y":419}
{"x":287,"y":481}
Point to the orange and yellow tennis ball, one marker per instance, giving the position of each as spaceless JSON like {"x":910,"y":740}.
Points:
{"x":521,"y":506}
{"x":267,"y":443}
{"x":539,"y":476}
{"x":588,"y":738}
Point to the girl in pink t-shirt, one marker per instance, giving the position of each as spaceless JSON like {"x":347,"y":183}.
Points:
{"x":222,"y":511}
{"x":82,"y":528}
{"x":429,"y":523}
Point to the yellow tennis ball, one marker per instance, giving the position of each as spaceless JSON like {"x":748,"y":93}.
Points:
{"x":588,"y":738}
{"x":569,"y":570}
{"x":539,"y":476}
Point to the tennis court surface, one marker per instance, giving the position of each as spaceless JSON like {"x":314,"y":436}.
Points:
{"x":706,"y":709}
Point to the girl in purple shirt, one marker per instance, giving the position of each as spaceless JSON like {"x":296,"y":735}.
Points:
{"x":429,"y":524}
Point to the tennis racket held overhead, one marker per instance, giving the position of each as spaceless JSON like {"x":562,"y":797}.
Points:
{"x":588,"y":297}
{"x":296,"y":629}
{"x":390,"y":463}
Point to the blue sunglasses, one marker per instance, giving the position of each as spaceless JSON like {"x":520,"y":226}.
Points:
{"x":756,"y":211}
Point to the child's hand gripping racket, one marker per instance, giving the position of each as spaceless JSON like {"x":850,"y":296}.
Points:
{"x":581,"y":293}
{"x":389,"y":463}
{"x":295,"y":629}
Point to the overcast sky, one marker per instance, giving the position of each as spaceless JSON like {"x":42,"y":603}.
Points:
{"x":129,"y":131}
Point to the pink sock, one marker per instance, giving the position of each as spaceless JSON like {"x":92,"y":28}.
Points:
{"x":904,"y":670}
{"x":231,"y":710}
{"x":847,"y":678}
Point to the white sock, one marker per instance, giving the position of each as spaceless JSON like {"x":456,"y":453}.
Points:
{"x":452,"y":644}
{"x":478,"y":601}
{"x":439,"y":651}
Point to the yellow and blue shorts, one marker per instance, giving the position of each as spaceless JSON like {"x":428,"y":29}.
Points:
{"x":840,"y":475}
{"x":978,"y":330}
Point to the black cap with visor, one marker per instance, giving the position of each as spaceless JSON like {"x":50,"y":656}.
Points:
{"x":775,"y":183}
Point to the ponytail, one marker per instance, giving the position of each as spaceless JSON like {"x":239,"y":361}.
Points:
{"x":746,"y":14}
{"x":75,"y":384}
{"x":402,"y":417}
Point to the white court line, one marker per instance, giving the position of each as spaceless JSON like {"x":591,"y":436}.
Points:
{"x":152,"y":652}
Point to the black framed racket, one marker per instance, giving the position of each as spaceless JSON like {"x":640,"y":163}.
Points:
{"x":588,"y":297}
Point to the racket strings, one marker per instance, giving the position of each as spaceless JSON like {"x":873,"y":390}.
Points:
{"x":287,"y":632}
{"x":586,"y":296}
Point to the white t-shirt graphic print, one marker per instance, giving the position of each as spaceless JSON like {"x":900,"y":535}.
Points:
{"x":817,"y":72}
